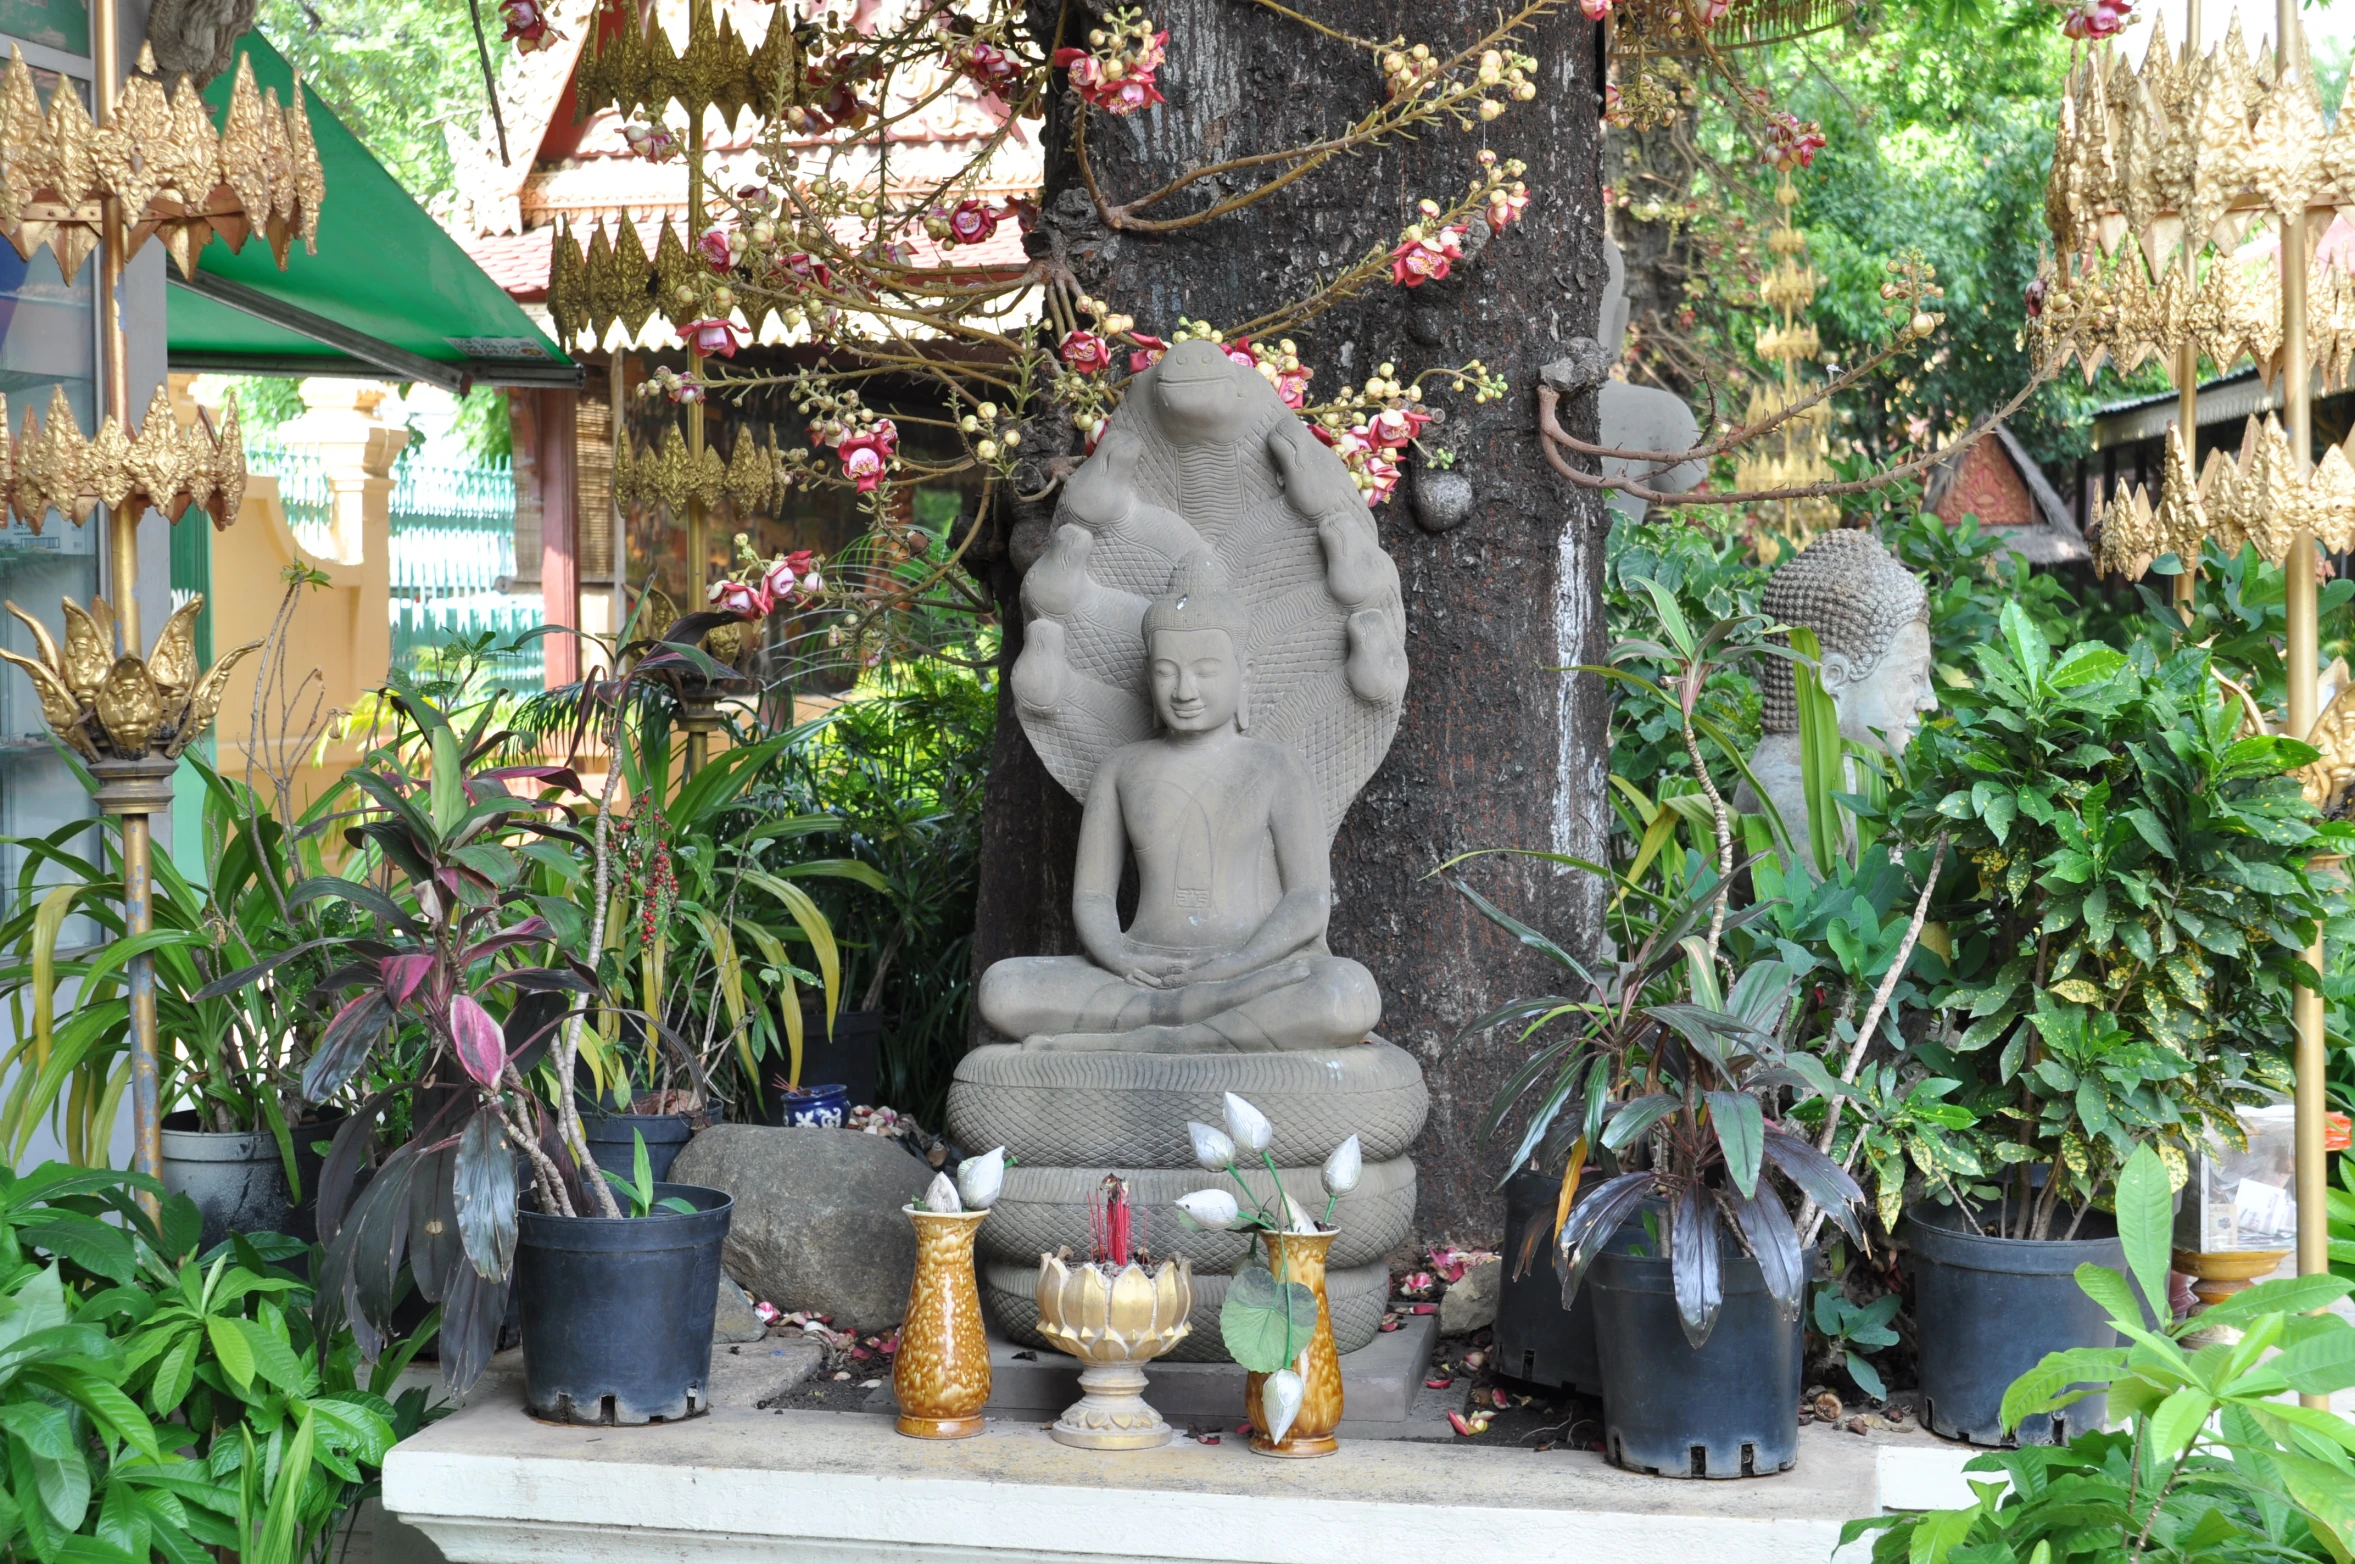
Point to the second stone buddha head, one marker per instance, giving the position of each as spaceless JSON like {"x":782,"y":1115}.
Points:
{"x":1195,"y":635}
{"x":1872,"y":619}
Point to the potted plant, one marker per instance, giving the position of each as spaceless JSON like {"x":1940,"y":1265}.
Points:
{"x":238,"y":1137}
{"x":2213,"y":1463}
{"x":1685,"y":1078}
{"x":2125,"y":953}
{"x":1274,"y":1318}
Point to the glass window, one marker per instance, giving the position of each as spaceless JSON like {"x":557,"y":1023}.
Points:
{"x":58,"y":24}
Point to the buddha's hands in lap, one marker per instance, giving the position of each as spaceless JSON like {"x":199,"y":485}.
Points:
{"x":1163,"y":969}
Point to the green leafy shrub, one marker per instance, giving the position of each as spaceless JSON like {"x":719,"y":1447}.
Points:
{"x":2129,"y":916}
{"x":2213,"y":1464}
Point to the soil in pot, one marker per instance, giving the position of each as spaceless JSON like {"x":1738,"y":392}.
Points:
{"x":617,"y":1312}
{"x":237,"y":1179}
{"x":1728,"y":1408}
{"x":1536,"y":1338}
{"x":1986,"y":1310}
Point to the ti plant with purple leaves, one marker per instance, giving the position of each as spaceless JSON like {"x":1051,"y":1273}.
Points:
{"x":467,"y":965}
{"x":1662,"y":1065}
{"x":1267,"y":1318}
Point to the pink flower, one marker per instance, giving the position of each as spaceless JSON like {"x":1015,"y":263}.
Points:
{"x":1240,"y":353}
{"x":867,"y":457}
{"x":736,"y":597}
{"x":1595,"y":10}
{"x":806,"y":268}
{"x":651,"y":142}
{"x":1292,"y":386}
{"x":897,"y":252}
{"x":987,"y":65}
{"x":972,"y":222}
{"x":1086,"y":353}
{"x":1384,"y":474}
{"x":2036,"y":292}
{"x":719,"y":249}
{"x":1086,"y":70}
{"x":528,"y":27}
{"x":1392,"y":429}
{"x":825,"y":432}
{"x":713,"y":335}
{"x":1132,"y":90}
{"x":2098,"y":18}
{"x":792,"y":574}
{"x":1148,"y":353}
{"x":1792,"y":142}
{"x":1421,"y":259}
{"x":1504,"y":207}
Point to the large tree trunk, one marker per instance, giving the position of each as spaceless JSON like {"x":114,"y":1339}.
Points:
{"x":1496,"y":748}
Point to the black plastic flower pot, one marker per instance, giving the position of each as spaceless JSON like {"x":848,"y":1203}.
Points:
{"x":617,"y":1311}
{"x":1536,"y":1338}
{"x":613,"y":1144}
{"x":1988,"y":1309}
{"x":1728,"y":1408}
{"x":238,"y":1180}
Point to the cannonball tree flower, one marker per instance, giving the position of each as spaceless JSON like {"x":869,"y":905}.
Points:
{"x":655,"y":143}
{"x":713,"y":335}
{"x":972,"y":221}
{"x":1422,"y":258}
{"x":1240,"y":353}
{"x":2097,"y":19}
{"x":1791,"y":142}
{"x":866,"y":457}
{"x":739,"y":597}
{"x":1148,"y":353}
{"x":719,"y":248}
{"x":528,"y":27}
{"x":1594,"y":10}
{"x":1394,"y":428}
{"x":1381,"y":478}
{"x":1086,"y":353}
{"x":1505,"y":205}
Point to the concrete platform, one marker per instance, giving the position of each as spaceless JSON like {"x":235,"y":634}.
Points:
{"x":1381,"y":1386}
{"x":489,"y":1486}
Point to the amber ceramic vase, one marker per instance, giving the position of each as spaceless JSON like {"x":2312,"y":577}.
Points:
{"x":1300,"y":1257}
{"x":1115,"y":1319}
{"x":941,"y":1376}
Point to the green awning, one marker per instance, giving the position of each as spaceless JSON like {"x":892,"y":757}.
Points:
{"x":389,"y":295}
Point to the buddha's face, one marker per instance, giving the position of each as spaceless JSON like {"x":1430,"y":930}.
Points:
{"x":1197,"y":680}
{"x":1884,"y":708}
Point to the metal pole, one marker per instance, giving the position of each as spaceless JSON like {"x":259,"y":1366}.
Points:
{"x":122,"y":527}
{"x":2297,"y":386}
{"x":698,"y":545}
{"x":2187,"y":357}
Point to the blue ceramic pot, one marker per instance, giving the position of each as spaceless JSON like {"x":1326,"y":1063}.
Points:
{"x":817,"y":1108}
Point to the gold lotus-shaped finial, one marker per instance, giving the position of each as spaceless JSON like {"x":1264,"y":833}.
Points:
{"x":108,"y":704}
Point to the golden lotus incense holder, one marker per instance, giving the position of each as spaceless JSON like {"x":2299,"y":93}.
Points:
{"x":1115,"y":1319}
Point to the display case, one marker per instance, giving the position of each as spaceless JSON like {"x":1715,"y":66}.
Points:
{"x":2239,"y":1216}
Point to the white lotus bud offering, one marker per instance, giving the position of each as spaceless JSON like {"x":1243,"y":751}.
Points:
{"x":980,"y":1178}
{"x":1213,"y":1149}
{"x":941,"y":1198}
{"x":1279,"y":1403}
{"x":1296,"y":1217}
{"x":1214,"y":1209}
{"x":1248,"y":1125}
{"x":1343,"y":1168}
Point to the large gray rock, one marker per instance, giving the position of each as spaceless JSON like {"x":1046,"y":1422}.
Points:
{"x":818,"y":1224}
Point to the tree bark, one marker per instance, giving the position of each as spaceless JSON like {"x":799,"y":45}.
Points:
{"x":1496,"y":748}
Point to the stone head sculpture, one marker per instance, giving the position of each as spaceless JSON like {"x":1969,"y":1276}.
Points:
{"x":1872,"y":619}
{"x":1194,"y":635}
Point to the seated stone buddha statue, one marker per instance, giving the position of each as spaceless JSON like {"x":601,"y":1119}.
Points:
{"x":1213,"y":661}
{"x":1227,"y":948}
{"x":1872,"y":619}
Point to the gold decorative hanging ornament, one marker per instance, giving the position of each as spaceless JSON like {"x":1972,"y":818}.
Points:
{"x":51,"y":467}
{"x":159,"y":155}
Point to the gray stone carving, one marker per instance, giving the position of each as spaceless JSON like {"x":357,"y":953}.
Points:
{"x":1638,"y":418}
{"x":1213,"y":663}
{"x":197,"y":38}
{"x":1872,"y":618}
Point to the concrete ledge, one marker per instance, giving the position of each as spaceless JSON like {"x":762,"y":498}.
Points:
{"x":489,"y":1486}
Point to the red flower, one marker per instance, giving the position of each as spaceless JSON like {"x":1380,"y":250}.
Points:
{"x":718,"y":250}
{"x":2098,"y":18}
{"x":1393,"y":429}
{"x":2036,"y":292}
{"x":1148,"y":353}
{"x":528,"y":27}
{"x":654,"y":143}
{"x":806,"y":268}
{"x":1384,"y":474}
{"x":1504,"y":207}
{"x":1421,"y":259}
{"x":1131,"y":90}
{"x":972,"y":222}
{"x":1595,"y":10}
{"x":1792,"y":142}
{"x":712,"y":335}
{"x":987,"y":65}
{"x":738,"y":598}
{"x":1086,"y":353}
{"x":866,"y":457}
{"x":1292,"y":386}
